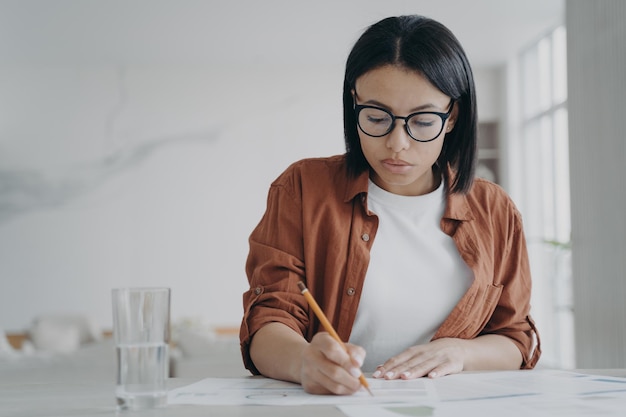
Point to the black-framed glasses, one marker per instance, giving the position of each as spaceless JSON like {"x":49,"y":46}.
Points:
{"x":423,"y":126}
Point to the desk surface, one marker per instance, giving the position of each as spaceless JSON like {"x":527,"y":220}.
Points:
{"x":96,"y":399}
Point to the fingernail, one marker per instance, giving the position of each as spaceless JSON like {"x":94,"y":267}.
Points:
{"x":432,"y":374}
{"x":376,"y":374}
{"x":389,"y":374}
{"x":406,"y":374}
{"x":355,"y":372}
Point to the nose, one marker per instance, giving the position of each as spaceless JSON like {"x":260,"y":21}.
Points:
{"x":398,"y":139}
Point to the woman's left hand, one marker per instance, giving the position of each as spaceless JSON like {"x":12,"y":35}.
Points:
{"x":437,"y":358}
{"x":450,"y":356}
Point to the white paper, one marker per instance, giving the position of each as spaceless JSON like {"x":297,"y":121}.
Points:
{"x":509,"y":384}
{"x":514,"y":394}
{"x":539,"y":393}
{"x":265,"y":391}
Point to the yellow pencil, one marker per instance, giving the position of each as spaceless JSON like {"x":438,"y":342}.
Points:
{"x":327,"y":326}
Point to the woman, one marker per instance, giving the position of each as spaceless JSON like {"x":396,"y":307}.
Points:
{"x":414,"y":262}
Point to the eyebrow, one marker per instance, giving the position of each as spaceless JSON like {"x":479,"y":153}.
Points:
{"x":426,"y":106}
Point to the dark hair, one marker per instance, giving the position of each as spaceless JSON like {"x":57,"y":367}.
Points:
{"x":419,"y":44}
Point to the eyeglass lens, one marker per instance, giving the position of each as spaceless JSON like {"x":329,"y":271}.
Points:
{"x":421,"y":126}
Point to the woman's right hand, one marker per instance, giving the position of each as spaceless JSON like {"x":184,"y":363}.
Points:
{"x":328,"y":369}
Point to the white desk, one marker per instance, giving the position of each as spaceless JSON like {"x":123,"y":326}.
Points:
{"x":82,"y":384}
{"x":96,"y":399}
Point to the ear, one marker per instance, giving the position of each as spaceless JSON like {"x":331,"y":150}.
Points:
{"x":353,"y":92}
{"x":453,"y":117}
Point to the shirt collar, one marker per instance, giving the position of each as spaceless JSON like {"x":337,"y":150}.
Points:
{"x":457,"y":206}
{"x":356,"y":186}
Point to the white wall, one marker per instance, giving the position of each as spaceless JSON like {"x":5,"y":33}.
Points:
{"x":120,"y":166}
{"x":148,"y":176}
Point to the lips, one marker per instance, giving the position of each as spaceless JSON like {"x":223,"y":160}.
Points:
{"x":397,"y":162}
{"x":396,"y":166}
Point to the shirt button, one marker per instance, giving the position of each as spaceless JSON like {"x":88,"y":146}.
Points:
{"x":258,"y":290}
{"x":365,"y":237}
{"x":350,"y":291}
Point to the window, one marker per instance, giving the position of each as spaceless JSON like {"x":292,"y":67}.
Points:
{"x":541,"y":172}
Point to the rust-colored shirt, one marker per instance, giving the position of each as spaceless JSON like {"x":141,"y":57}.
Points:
{"x":317,"y":228}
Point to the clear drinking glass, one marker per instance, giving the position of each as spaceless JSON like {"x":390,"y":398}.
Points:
{"x":141,"y":327}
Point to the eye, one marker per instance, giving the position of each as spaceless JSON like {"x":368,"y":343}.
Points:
{"x":424,"y":120}
{"x":375,"y":116}
{"x":377,"y":119}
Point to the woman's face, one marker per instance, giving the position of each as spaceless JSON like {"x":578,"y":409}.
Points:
{"x":400,"y":164}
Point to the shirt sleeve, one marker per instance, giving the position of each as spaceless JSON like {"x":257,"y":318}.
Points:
{"x":511,"y":316}
{"x":487,"y":229}
{"x":274,"y":267}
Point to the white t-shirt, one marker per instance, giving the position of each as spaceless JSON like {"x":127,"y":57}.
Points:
{"x":414,"y":279}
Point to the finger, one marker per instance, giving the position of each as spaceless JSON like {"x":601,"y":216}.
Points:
{"x":379,"y":372}
{"x":320,"y":383}
{"x":398,"y":365}
{"x":338,"y":381}
{"x":349,"y":357}
{"x":357,"y":354}
{"x":445,"y":368}
{"x":417,"y":366}
{"x":331,"y":367}
{"x":331,"y":349}
{"x":433,"y":369}
{"x":418,"y":371}
{"x":325,"y":377}
{"x":349,"y":360}
{"x":316,"y":373}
